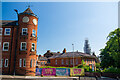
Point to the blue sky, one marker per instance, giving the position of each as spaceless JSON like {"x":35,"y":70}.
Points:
{"x":62,"y":24}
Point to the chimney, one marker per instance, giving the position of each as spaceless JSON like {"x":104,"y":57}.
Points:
{"x":58,"y":52}
{"x":39,"y":56}
{"x":48,"y":51}
{"x":64,"y":51}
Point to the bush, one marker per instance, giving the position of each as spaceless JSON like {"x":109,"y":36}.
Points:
{"x":86,"y":67}
{"x":112,"y":70}
{"x":52,"y":67}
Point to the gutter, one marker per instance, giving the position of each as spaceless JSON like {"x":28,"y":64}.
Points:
{"x":11,"y":49}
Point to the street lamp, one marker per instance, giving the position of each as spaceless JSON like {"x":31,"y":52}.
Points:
{"x":73,"y":54}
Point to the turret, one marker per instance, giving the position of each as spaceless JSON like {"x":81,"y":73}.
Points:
{"x":27,"y":42}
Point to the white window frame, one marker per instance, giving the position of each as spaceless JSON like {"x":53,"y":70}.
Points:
{"x":41,"y":63}
{"x":0,"y":44}
{"x":76,"y":61}
{"x":20,"y":63}
{"x":5,"y":31}
{"x":1,"y":29}
{"x":33,"y":47}
{"x":4,"y":46}
{"x":21,"y":46}
{"x":66,"y":61}
{"x":33,"y":34}
{"x":5,"y":63}
{"x":71,"y":61}
{"x":62,"y":61}
{"x":1,"y":63}
{"x":56,"y":61}
{"x":24,"y":63}
{"x":31,"y":63}
{"x":34,"y":62}
{"x":26,"y":31}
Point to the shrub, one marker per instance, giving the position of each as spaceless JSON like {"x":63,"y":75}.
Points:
{"x":111,"y":69}
{"x":86,"y":67}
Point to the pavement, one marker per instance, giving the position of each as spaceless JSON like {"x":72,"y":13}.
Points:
{"x":11,"y":77}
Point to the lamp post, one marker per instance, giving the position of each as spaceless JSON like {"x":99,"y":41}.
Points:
{"x":73,"y":54}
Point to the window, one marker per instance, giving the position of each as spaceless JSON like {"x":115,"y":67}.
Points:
{"x":33,"y":33}
{"x":31,"y":63}
{"x":66,"y":61}
{"x":1,"y":31}
{"x":24,"y":62}
{"x":76,"y":61}
{"x":56,"y":61}
{"x":62,"y":61}
{"x":41,"y":63}
{"x":20,"y":63}
{"x":7,"y":31}
{"x":24,"y":31}
{"x":33,"y":47}
{"x":71,"y":61}
{"x":23,"y":45}
{"x":5,"y":46}
{"x":1,"y":63}
{"x":34,"y":62}
{"x":6,"y":62}
{"x":0,"y":44}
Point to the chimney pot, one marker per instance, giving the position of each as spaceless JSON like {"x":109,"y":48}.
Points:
{"x":64,"y":51}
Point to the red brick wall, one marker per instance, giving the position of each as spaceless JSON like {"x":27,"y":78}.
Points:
{"x":28,"y":55}
{"x":59,"y":62}
{"x":10,"y":54}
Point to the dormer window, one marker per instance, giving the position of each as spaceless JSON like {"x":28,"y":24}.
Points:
{"x":24,"y":31}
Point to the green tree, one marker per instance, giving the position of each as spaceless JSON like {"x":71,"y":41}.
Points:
{"x":110,"y":55}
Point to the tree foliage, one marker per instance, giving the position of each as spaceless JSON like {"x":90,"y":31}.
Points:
{"x":110,"y":55}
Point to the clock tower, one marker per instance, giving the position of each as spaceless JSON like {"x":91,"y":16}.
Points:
{"x":25,"y":63}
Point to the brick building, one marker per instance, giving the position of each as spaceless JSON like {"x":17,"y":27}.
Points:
{"x":49,"y":54}
{"x":66,"y":59}
{"x":18,"y":40}
{"x":42,"y":61}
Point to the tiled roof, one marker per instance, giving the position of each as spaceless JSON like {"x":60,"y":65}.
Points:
{"x":55,"y":54}
{"x":42,"y":59}
{"x":70,"y":54}
{"x":28,"y":10}
{"x":8,"y":23}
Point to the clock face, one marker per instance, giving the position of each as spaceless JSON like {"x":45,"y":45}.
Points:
{"x":35,"y":21}
{"x":25,"y":19}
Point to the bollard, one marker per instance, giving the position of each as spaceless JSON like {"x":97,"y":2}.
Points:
{"x":79,"y":77}
{"x":118,"y":78}
{"x":96,"y":77}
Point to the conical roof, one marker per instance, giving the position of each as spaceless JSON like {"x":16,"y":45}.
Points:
{"x":28,"y":10}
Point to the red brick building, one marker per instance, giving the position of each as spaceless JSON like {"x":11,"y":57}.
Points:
{"x":18,"y":40}
{"x":66,"y":59}
{"x":42,"y":61}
